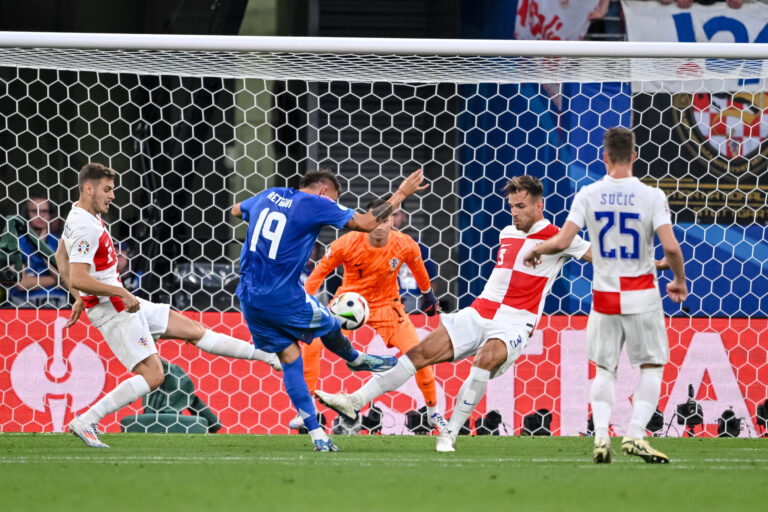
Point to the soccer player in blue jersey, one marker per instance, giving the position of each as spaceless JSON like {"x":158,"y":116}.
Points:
{"x":283,"y":225}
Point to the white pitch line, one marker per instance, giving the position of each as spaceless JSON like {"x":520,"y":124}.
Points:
{"x":335,"y":459}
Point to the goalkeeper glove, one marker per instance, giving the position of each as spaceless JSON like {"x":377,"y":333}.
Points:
{"x":428,"y":303}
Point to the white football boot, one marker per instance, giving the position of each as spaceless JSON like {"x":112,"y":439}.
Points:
{"x":339,"y":402}
{"x":88,"y":433}
{"x":445,"y":441}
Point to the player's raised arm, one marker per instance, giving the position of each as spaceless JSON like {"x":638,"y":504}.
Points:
{"x":237,"y":211}
{"x":673,"y":258}
{"x":368,"y":221}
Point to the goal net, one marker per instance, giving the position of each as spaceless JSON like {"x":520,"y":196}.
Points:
{"x":194,"y":124}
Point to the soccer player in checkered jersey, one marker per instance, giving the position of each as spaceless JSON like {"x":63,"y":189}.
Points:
{"x":495,"y":328}
{"x":88,"y":266}
{"x":621,"y":215}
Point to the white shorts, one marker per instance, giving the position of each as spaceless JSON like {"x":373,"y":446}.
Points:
{"x":469,"y":331}
{"x":132,"y":336}
{"x":643,"y":333}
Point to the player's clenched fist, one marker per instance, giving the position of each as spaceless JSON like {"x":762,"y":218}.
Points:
{"x":132,"y":304}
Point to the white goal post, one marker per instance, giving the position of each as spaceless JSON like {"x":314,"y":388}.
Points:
{"x":193,"y":124}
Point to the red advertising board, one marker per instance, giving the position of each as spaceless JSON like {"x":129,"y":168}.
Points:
{"x":48,"y":374}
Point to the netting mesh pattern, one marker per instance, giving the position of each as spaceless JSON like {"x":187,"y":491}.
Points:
{"x":189,"y":135}
{"x":381,"y":68}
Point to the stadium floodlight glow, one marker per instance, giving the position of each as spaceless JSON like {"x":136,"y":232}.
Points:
{"x":193,"y":124}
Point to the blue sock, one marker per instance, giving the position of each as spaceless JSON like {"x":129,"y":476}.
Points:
{"x":337,"y":343}
{"x":296,"y":387}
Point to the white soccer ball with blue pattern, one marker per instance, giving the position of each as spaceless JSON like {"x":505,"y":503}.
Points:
{"x":352,"y":309}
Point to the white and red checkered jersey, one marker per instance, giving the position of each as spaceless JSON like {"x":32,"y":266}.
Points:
{"x":514,"y":293}
{"x":87,"y":240}
{"x":621,"y":216}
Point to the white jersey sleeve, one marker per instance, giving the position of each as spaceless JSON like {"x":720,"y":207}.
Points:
{"x":578,"y":213}
{"x":578,"y":247}
{"x":660,"y":210}
{"x":81,"y":242}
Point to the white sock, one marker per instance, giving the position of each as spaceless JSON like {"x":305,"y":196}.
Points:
{"x":318,"y":433}
{"x":125,"y":393}
{"x":223,"y":345}
{"x":644,"y":401}
{"x":384,"y":382}
{"x":601,"y":399}
{"x":469,"y":396}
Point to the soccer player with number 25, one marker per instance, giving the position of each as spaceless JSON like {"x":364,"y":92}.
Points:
{"x":621,"y":215}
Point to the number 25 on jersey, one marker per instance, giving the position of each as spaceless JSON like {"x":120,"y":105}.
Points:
{"x":625,"y":221}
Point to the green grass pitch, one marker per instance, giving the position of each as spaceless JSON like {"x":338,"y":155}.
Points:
{"x":56,"y":472}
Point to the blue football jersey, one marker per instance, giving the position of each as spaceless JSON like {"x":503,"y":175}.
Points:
{"x":283,"y":225}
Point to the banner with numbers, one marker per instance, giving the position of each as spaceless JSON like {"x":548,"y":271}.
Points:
{"x":717,"y":23}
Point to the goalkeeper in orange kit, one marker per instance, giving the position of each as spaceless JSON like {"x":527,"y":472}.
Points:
{"x":371,"y":265}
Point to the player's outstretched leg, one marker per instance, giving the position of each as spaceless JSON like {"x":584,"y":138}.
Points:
{"x":184,"y":328}
{"x":349,"y":404}
{"x":223,"y":345}
{"x":336,"y":342}
{"x":128,"y":391}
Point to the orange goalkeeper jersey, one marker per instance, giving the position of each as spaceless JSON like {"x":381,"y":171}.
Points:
{"x":370,"y":271}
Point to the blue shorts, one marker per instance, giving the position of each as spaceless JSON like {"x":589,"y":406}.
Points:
{"x":275,"y":328}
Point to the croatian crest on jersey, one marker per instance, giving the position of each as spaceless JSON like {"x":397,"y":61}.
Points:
{"x":727,"y":130}
{"x":144,"y":342}
{"x":393,"y":263}
{"x":83,"y":247}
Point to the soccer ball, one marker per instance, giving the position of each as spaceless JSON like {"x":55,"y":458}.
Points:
{"x":351,"y":308}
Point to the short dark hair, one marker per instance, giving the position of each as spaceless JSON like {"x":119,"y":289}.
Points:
{"x":320,"y":176}
{"x":530,"y":184}
{"x":94,"y":172}
{"x":374,"y":203}
{"x":619,"y":144}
